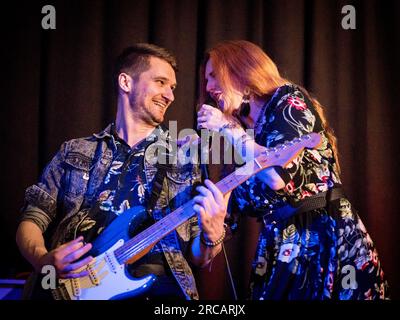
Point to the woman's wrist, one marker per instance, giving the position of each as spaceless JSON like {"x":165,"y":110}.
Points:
{"x":229,"y":124}
{"x":241,"y":140}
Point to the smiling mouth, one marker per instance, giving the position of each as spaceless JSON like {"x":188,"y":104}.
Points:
{"x":216,"y":96}
{"x":161,"y":104}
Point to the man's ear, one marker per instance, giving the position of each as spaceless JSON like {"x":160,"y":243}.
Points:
{"x":125,"y":82}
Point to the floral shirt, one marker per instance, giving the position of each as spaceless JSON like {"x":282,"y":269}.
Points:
{"x":124,"y":187}
{"x":288,"y":115}
{"x":319,"y":254}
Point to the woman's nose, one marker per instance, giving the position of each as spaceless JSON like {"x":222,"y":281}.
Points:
{"x":210,"y":85}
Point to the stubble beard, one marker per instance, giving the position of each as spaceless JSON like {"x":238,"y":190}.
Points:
{"x":145,"y":114}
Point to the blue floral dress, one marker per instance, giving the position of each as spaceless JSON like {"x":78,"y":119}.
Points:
{"x":319,"y":254}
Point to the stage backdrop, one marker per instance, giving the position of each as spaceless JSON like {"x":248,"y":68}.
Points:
{"x":56,"y":86}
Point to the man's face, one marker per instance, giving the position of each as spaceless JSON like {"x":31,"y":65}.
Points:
{"x":152,"y":93}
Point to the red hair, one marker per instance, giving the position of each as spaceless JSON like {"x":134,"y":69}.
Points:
{"x":240,"y":65}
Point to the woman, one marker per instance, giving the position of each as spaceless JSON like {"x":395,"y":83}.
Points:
{"x":322,"y":252}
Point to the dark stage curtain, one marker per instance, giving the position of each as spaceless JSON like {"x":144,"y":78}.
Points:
{"x":57,"y":86}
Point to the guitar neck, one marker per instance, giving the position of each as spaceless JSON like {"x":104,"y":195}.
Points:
{"x":239,"y":176}
{"x":173,"y":220}
{"x":280,"y":155}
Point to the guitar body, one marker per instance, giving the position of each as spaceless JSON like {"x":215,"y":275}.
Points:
{"x":108,"y":278}
{"x":122,"y":227}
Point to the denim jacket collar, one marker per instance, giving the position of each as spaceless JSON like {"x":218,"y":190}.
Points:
{"x":107,"y":132}
{"x":110,"y":131}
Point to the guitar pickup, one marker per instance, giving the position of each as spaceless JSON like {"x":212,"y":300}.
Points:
{"x":76,"y":287}
{"x":93,"y":275}
{"x":110,"y":262}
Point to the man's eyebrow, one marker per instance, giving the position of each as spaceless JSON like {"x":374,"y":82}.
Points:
{"x":162,"y":78}
{"x":166,"y":79}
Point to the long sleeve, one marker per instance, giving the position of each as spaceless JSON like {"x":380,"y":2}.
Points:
{"x":41,"y":198}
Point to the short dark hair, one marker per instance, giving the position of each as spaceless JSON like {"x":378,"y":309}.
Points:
{"x":135,"y":59}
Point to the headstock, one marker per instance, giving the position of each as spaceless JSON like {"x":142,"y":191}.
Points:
{"x":284,"y":153}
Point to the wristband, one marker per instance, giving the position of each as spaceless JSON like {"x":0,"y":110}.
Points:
{"x":208,"y":243}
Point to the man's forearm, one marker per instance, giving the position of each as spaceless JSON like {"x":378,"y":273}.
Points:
{"x":31,"y":243}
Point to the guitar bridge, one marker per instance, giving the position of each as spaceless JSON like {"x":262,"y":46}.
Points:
{"x":60,"y":293}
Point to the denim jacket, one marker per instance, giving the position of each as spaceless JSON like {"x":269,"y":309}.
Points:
{"x":70,"y":181}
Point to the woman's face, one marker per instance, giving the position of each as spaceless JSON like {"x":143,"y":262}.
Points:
{"x":226,"y":100}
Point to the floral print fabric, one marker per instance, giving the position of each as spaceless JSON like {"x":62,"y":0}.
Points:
{"x":124,"y":187}
{"x":321,"y":254}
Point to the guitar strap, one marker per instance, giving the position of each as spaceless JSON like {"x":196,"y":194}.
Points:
{"x":318,"y":201}
{"x":158,"y":182}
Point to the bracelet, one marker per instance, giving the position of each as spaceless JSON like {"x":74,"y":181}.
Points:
{"x":242,"y":140}
{"x":208,"y":243}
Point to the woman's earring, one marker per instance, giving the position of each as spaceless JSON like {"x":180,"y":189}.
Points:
{"x":245,"y":105}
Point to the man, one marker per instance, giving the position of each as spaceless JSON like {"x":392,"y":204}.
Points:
{"x":93,"y":180}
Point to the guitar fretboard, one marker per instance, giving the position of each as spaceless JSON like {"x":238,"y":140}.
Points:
{"x":280,"y":155}
{"x":173,"y":220}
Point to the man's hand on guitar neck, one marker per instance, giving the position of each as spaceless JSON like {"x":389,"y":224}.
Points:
{"x":211,"y":207}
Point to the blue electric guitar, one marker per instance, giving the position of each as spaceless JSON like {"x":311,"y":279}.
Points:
{"x":108,"y":276}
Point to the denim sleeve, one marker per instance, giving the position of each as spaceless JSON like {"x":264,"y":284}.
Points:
{"x":41,"y":198}
{"x":37,"y":216}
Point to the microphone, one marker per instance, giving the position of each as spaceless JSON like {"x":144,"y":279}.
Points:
{"x":203,"y":167}
{"x":211,"y":102}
